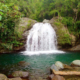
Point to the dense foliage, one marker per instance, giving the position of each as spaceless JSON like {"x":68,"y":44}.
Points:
{"x":9,"y":15}
{"x":67,"y":10}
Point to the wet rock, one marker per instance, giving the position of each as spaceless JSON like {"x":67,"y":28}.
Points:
{"x":3,"y":77}
{"x":18,"y":78}
{"x":59,"y":65}
{"x":45,"y":21}
{"x":23,"y":63}
{"x":53,"y":67}
{"x":21,"y":74}
{"x":55,"y":77}
{"x":75,"y":63}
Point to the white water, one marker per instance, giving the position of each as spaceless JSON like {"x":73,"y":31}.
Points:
{"x":41,"y":39}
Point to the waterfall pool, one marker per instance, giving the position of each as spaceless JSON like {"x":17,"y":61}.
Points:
{"x":39,"y":64}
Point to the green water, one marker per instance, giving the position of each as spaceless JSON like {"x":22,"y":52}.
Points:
{"x":8,"y":62}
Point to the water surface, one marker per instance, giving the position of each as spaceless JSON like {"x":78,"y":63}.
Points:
{"x":38,"y":63}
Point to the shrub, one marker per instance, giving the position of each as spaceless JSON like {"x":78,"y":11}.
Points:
{"x":9,"y":14}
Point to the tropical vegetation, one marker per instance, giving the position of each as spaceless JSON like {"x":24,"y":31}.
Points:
{"x":67,"y":11}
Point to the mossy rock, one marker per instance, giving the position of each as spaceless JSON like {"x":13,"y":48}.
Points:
{"x":25,"y":24}
{"x":21,"y":31}
{"x":63,"y":36}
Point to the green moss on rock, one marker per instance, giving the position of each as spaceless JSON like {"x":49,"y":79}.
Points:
{"x":24,"y":25}
{"x":63,"y":35}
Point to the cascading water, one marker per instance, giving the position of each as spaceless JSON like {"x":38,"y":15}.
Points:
{"x":41,"y":39}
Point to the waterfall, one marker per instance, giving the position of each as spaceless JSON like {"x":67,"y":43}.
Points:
{"x":41,"y":39}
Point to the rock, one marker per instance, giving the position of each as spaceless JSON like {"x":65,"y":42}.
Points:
{"x":21,"y":29}
{"x":24,"y":26}
{"x":21,"y":74}
{"x":76,"y":48}
{"x":3,"y":77}
{"x":67,"y":66}
{"x":18,"y":78}
{"x":53,"y":67}
{"x":59,"y":65}
{"x":45,"y":21}
{"x":50,"y":77}
{"x":75,"y":63}
{"x":73,"y":39}
{"x":64,"y":41}
{"x":23,"y":64}
{"x":56,"y":77}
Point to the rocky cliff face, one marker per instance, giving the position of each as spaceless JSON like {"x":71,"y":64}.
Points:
{"x":21,"y":29}
{"x":65,"y":39}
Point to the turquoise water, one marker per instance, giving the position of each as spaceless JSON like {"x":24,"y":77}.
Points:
{"x":8,"y":62}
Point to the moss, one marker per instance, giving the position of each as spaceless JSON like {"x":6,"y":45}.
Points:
{"x":18,"y":32}
{"x":63,"y":38}
{"x":6,"y":46}
{"x":20,"y":29}
{"x":63,"y":34}
{"x":58,"y":24}
{"x":29,"y":24}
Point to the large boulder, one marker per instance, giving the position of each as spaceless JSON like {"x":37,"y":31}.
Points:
{"x":65,"y":39}
{"x":23,"y":26}
{"x":59,"y":65}
{"x":3,"y":77}
{"x":53,"y":67}
{"x":75,"y":63}
{"x":76,"y":48}
{"x":22,"y":30}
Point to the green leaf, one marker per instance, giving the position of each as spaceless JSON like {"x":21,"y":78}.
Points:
{"x":0,"y":17}
{"x":1,"y":13}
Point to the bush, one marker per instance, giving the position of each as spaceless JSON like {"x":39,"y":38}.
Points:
{"x":9,"y":14}
{"x":67,"y":21}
